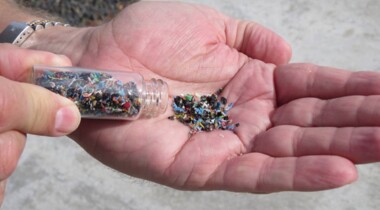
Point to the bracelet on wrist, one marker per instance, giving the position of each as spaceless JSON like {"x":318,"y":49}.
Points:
{"x":18,"y":32}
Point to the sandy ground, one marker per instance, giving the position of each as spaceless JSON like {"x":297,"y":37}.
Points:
{"x":58,"y":174}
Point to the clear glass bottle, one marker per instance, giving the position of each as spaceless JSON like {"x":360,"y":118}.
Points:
{"x":101,"y":94}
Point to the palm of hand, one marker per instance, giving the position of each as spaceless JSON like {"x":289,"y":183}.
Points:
{"x":192,"y":49}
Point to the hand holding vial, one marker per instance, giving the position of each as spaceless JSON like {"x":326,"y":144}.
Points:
{"x":26,"y":108}
{"x":286,"y":123}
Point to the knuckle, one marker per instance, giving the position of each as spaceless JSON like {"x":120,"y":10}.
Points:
{"x":12,"y":63}
{"x":5,"y":102}
{"x":40,"y":118}
{"x":44,"y":105}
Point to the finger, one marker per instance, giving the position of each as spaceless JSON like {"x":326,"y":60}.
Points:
{"x":306,"y":80}
{"x":350,"y":111}
{"x":32,"y":109}
{"x":360,"y":145}
{"x":256,"y":172}
{"x":11,"y":146}
{"x":2,"y":191}
{"x":257,"y":42}
{"x":16,"y":63}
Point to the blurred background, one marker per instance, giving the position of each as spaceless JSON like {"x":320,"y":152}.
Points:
{"x":55,"y":173}
{"x":79,"y":12}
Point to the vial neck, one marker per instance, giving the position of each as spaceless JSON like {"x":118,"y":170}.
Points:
{"x":155,"y":98}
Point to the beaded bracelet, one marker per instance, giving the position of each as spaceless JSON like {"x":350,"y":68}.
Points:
{"x":18,"y":32}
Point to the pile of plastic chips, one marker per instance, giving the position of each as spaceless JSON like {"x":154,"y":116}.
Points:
{"x":203,"y":113}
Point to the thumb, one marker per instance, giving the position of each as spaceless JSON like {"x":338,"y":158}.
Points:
{"x":32,"y":109}
{"x":28,"y":108}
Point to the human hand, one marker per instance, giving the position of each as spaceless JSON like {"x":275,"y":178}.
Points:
{"x":25,"y":108}
{"x":196,"y":49}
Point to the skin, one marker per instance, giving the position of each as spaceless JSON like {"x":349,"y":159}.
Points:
{"x":303,"y":127}
{"x":25,"y":108}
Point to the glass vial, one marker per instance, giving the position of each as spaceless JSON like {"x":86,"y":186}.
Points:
{"x":105,"y":94}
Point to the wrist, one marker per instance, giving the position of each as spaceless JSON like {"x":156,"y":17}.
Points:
{"x":69,"y":41}
{"x":9,"y":12}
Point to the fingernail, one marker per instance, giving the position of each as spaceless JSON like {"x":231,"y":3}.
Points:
{"x":61,"y":60}
{"x":67,"y":120}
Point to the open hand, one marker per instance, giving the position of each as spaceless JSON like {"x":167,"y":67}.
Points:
{"x":302,"y":126}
